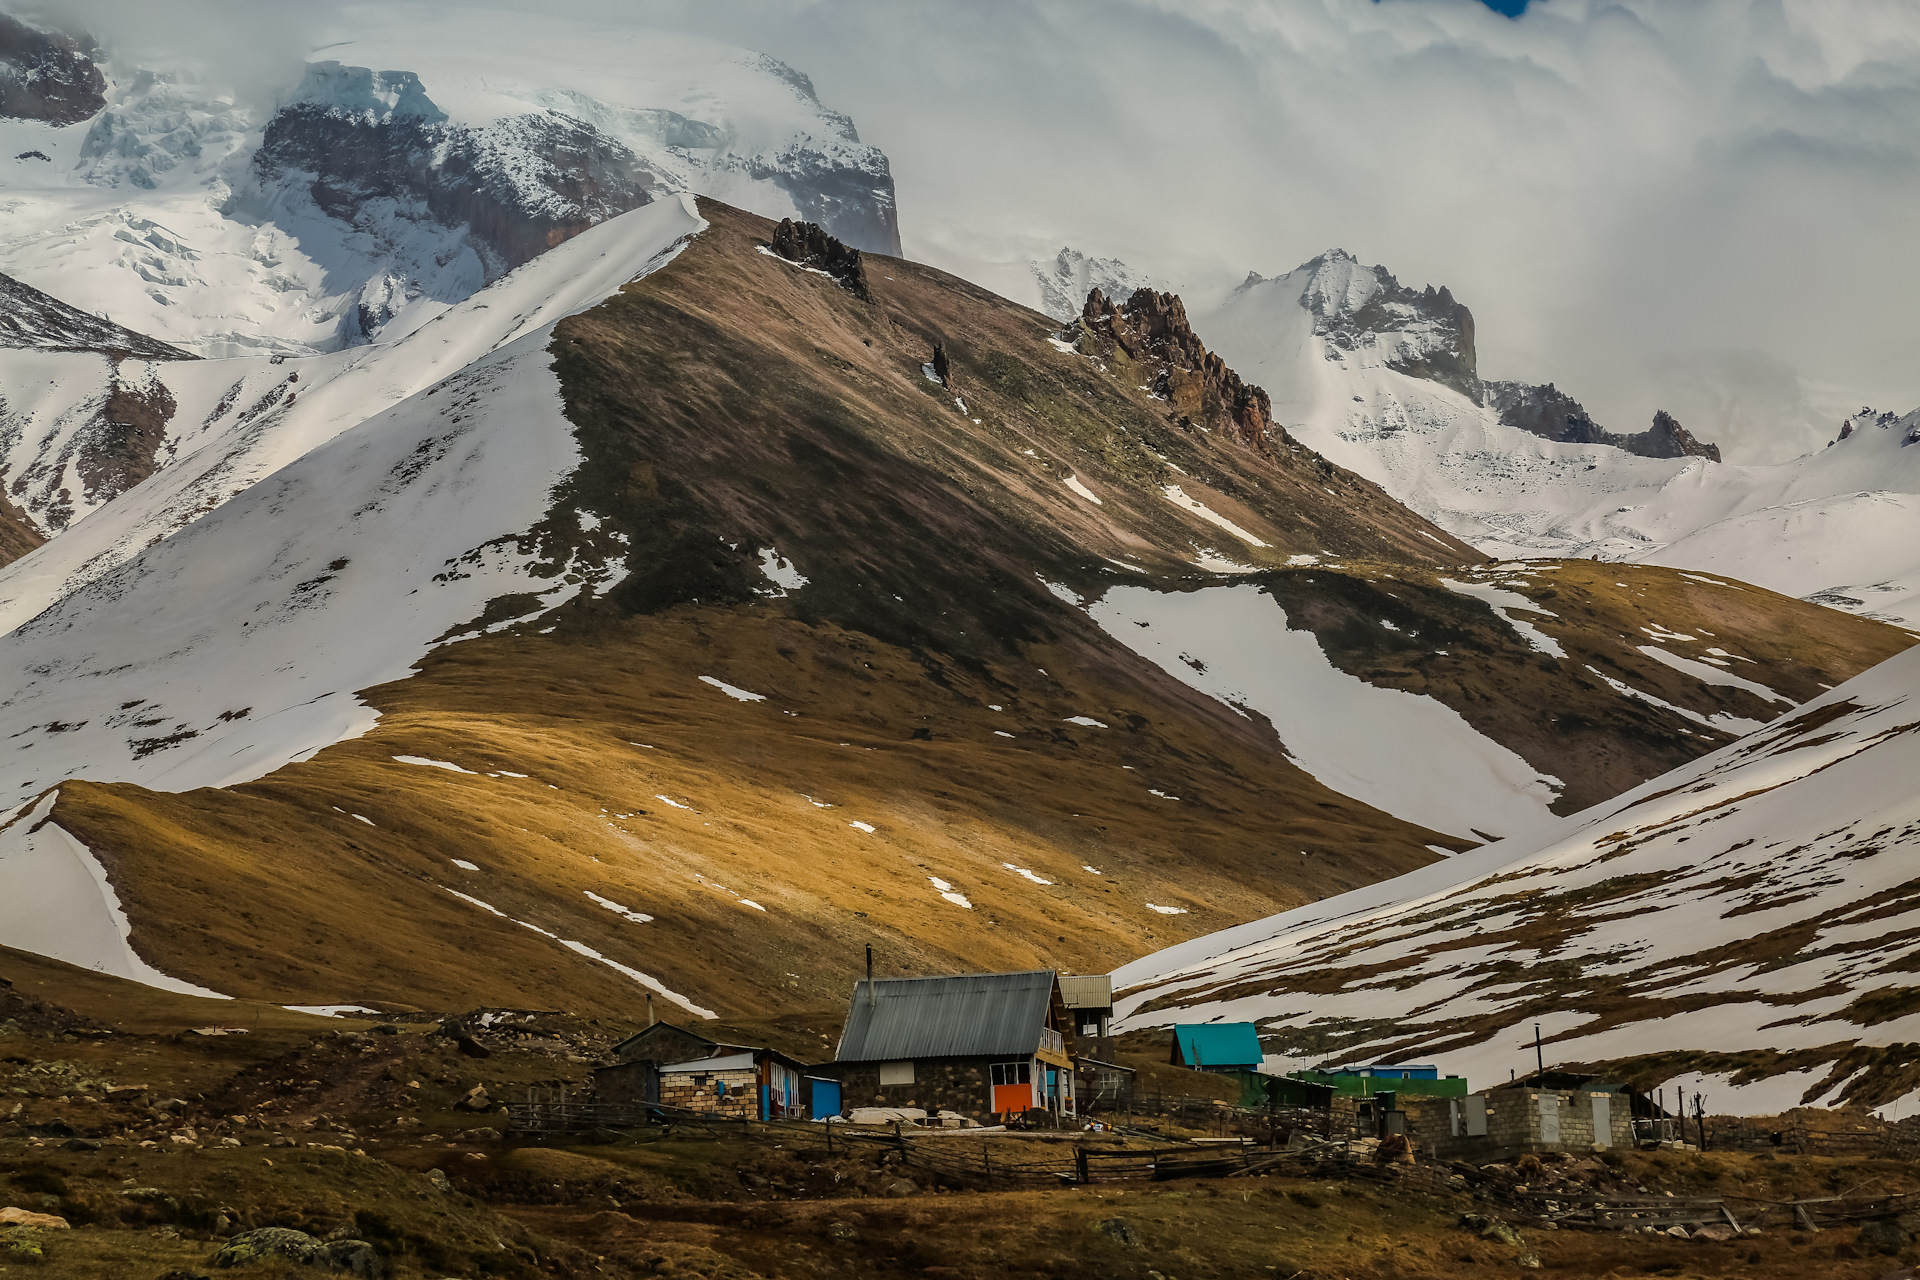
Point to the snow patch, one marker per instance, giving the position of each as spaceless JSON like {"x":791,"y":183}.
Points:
{"x":1177,"y":496}
{"x":733,"y":691}
{"x":1409,"y":755}
{"x":56,"y":900}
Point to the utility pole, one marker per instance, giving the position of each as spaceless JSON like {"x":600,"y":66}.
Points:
{"x":1539,"y":1058}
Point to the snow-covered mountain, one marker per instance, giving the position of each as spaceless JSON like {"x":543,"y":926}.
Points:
{"x":1065,"y":280}
{"x":416,"y":160}
{"x":661,"y":572}
{"x":1384,"y":380}
{"x":1749,"y":918}
{"x":32,"y":320}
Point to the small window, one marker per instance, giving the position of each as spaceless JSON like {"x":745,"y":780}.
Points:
{"x":1013,"y":1073}
{"x":896,"y":1073}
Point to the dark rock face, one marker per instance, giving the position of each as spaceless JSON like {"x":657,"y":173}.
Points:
{"x":1545,"y":411}
{"x":809,"y":245}
{"x":117,"y":449}
{"x":942,"y":367}
{"x":1151,"y":328}
{"x":857,"y":203}
{"x":1436,"y":332}
{"x":1551,"y":414}
{"x":519,"y":186}
{"x":1668,"y":439}
{"x":47,"y":76}
{"x":40,"y":321}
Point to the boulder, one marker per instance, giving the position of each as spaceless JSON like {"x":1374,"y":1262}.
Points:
{"x":1883,"y":1235}
{"x":269,"y":1242}
{"x":474,"y":1099}
{"x":12,"y":1217}
{"x":1714,"y":1231}
{"x":1119,"y":1230}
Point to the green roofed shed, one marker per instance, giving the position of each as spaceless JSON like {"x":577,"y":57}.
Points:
{"x":1216,"y":1046}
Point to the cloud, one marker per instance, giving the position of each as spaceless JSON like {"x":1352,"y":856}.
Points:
{"x":1622,"y":191}
{"x":1702,"y":205}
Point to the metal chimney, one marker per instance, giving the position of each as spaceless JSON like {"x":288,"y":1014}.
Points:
{"x":872,"y":999}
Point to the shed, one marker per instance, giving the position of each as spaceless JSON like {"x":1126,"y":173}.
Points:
{"x":1216,"y":1046}
{"x":1090,"y":998}
{"x":751,"y":1084}
{"x":974,"y":1043}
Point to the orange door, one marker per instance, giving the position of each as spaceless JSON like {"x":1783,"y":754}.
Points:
{"x":1012,"y":1097}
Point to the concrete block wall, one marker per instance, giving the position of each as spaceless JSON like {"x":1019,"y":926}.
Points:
{"x":1514,"y":1125}
{"x":700,"y":1091}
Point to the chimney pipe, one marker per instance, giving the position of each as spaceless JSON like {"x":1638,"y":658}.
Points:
{"x":649,"y":1008}
{"x":872,"y":999}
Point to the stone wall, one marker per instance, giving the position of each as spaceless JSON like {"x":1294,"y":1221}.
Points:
{"x":700,"y":1091}
{"x":939,"y":1084}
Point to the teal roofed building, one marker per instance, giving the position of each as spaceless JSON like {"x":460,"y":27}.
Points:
{"x":1216,"y":1046}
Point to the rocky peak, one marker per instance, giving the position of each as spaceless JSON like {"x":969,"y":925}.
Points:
{"x":1545,"y":411}
{"x":46,"y":75}
{"x":1423,"y":333}
{"x":1151,"y":329}
{"x":1668,"y":439}
{"x":1552,"y":414}
{"x":808,"y":244}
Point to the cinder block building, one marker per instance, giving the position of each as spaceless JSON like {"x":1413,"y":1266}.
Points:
{"x":1511,"y":1120}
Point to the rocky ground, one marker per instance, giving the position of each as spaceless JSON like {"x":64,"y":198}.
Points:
{"x":139,"y":1140}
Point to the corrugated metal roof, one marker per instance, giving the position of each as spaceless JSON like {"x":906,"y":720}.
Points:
{"x":1087,"y":990}
{"x":1218,"y":1044}
{"x":964,"y":1015}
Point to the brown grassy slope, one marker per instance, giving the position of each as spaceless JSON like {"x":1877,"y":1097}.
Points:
{"x":730,"y":403}
{"x":275,"y":888}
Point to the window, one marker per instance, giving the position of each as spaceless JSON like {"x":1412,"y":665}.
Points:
{"x":1013,"y":1073}
{"x":896,"y":1073}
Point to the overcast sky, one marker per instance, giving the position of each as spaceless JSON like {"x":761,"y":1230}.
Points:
{"x":1704,"y":205}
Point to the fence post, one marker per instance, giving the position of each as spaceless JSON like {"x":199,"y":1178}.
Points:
{"x":1080,"y":1164}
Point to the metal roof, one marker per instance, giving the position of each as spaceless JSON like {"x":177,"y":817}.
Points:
{"x":1218,"y":1044}
{"x":1087,"y":991}
{"x":961,"y":1016}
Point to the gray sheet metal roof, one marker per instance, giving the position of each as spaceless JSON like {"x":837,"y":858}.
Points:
{"x":965,"y":1015}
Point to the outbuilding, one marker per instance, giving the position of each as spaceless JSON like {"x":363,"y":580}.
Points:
{"x":1216,"y":1046}
{"x":979,"y":1044}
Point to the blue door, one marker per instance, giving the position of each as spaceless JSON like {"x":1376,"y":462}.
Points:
{"x":826,"y":1098}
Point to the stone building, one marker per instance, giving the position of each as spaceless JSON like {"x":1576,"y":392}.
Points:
{"x":670,"y":1066}
{"x":983,"y":1045}
{"x":1511,"y":1120}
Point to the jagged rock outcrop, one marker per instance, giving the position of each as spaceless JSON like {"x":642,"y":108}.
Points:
{"x":363,"y":139}
{"x":1421,"y":333}
{"x":41,"y":322}
{"x":1552,"y":414}
{"x":1151,"y":328}
{"x":808,"y":244}
{"x":1668,"y":439}
{"x":942,"y":367}
{"x":46,"y":75}
{"x":1545,"y":411}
